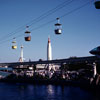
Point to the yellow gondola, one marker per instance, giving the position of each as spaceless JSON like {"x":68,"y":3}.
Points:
{"x":14,"y":45}
{"x":27,"y":34}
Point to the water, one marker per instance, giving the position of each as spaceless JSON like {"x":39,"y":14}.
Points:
{"x":20,"y":91}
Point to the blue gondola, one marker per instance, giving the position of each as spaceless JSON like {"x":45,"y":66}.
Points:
{"x":58,"y":29}
{"x":97,"y":4}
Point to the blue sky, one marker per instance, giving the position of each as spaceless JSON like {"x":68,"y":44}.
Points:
{"x":80,"y":29}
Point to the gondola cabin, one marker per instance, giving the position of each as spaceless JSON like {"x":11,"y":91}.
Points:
{"x":14,"y":46}
{"x":97,"y":4}
{"x":27,"y":34}
{"x":58,"y":29}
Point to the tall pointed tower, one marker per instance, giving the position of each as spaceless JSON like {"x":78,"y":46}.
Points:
{"x":21,"y":55}
{"x":49,"y":50}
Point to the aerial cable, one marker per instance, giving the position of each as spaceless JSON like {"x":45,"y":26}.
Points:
{"x":70,"y":12}
{"x":50,"y":12}
{"x":39,"y":18}
{"x":11,"y":34}
{"x":2,"y":42}
{"x":75,"y":9}
{"x":42,"y":25}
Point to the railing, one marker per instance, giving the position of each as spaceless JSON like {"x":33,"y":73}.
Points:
{"x":89,"y":59}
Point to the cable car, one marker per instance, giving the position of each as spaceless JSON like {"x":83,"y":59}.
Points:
{"x":58,"y":29}
{"x":14,"y":45}
{"x":27,"y":34}
{"x":97,"y":4}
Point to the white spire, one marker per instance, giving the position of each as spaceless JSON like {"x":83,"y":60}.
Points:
{"x":49,"y":50}
{"x":21,"y":55}
{"x":94,"y":69}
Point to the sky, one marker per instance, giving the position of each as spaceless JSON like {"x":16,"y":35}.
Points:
{"x":80,"y":28}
